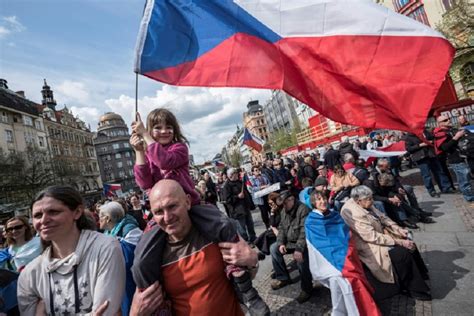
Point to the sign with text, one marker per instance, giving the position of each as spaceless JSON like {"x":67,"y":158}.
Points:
{"x":268,"y":190}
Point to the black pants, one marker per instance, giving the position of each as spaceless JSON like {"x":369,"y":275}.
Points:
{"x":265,"y":211}
{"x":410,"y":269}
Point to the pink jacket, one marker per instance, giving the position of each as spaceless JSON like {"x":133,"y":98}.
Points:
{"x":166,"y":162}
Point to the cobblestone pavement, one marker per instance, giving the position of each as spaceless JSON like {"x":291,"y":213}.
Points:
{"x":446,"y":246}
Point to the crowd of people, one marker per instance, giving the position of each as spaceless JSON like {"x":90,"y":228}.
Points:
{"x":170,"y":250}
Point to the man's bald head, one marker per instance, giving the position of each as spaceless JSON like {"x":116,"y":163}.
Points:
{"x":169,"y":206}
{"x":166,"y":187}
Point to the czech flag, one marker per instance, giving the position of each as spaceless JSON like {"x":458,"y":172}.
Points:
{"x":109,"y":188}
{"x":252,"y":141}
{"x":354,"y":61}
{"x":334,"y":262}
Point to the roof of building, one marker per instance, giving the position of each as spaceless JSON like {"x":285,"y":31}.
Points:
{"x":110,"y":116}
{"x":13,"y":101}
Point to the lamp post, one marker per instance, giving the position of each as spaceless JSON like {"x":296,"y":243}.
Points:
{"x":50,"y":152}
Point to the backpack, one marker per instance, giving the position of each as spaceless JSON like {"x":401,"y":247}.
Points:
{"x":466,"y":144}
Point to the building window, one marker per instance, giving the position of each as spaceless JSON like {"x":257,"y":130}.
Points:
{"x":126,"y":145}
{"x":121,"y":174}
{"x":129,"y":163}
{"x":127,"y":154}
{"x":27,"y":120}
{"x":4,"y":117}
{"x":41,"y":141}
{"x":9,"y":136}
{"x":38,"y":124}
{"x":118,"y":156}
{"x":119,"y":164}
{"x":55,"y":150}
{"x":116,"y":146}
{"x":467,"y":77}
{"x":66,"y":150}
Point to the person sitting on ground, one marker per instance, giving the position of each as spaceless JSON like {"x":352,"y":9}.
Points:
{"x":341,"y":184}
{"x":192,"y":268}
{"x":291,"y":239}
{"x":360,"y":171}
{"x":268,"y":237}
{"x":114,"y":222}
{"x":22,"y":247}
{"x":331,"y":249}
{"x":394,"y":265}
{"x":74,"y":273}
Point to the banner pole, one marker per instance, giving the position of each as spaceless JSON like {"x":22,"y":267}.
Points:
{"x":136,"y":94}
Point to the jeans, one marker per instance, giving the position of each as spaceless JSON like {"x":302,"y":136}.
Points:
{"x":379,"y":205}
{"x":281,"y":272}
{"x":246,"y":228}
{"x":463,"y":174}
{"x":432,"y":165}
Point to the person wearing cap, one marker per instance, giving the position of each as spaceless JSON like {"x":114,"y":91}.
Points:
{"x":291,"y":239}
{"x":446,"y":140}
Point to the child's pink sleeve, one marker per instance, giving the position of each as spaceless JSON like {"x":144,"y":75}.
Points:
{"x":144,"y":177}
{"x":169,"y":157}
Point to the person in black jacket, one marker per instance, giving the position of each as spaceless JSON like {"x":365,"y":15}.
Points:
{"x":423,"y":154}
{"x":331,"y":157}
{"x":239,"y":202}
{"x":447,"y":141}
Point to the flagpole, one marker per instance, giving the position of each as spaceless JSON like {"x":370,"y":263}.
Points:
{"x":136,"y":94}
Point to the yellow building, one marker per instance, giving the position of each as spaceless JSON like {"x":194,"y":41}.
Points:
{"x":254,"y":121}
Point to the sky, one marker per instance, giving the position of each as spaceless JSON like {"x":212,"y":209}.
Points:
{"x":85,"y":51}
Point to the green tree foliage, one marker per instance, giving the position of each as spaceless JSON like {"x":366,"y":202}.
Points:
{"x":457,"y":24}
{"x":235,"y":158}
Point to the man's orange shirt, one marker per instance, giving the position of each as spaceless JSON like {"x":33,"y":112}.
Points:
{"x":194,"y":278}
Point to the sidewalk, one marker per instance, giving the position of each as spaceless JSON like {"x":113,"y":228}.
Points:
{"x":447,"y":247}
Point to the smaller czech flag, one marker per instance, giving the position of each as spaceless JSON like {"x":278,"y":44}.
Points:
{"x":109,"y":188}
{"x":252,"y":141}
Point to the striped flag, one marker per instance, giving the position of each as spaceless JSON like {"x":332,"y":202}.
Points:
{"x":252,"y":141}
{"x":355,"y":62}
{"x":334,"y":262}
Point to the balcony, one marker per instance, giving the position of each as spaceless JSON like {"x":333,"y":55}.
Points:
{"x":321,"y":131}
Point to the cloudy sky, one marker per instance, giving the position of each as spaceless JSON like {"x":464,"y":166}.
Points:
{"x":85,"y":48}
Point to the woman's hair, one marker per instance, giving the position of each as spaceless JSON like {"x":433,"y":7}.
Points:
{"x":315,"y":195}
{"x":386,"y":179}
{"x":114,"y":210}
{"x":273,"y":196}
{"x":24,"y":221}
{"x":67,"y":195}
{"x":361,"y":192}
{"x":308,"y":160}
{"x":164,"y":116}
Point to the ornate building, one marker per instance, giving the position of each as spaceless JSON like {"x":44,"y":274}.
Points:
{"x":71,"y":147}
{"x":114,"y":152}
{"x":254,"y":121}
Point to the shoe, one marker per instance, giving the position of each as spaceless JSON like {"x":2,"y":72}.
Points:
{"x":424,"y":213}
{"x":273,"y":275}
{"x":260,"y":256}
{"x":303,"y":297}
{"x":420,"y":296}
{"x":434,"y":194}
{"x":409,"y":225}
{"x":258,"y":307}
{"x":427,"y":220}
{"x":278,"y":284}
{"x":449,"y":191}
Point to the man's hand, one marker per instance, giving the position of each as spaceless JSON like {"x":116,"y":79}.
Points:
{"x":241,"y":195}
{"x":402,"y":191}
{"x":395,"y":201}
{"x":282,"y":249}
{"x":410,"y":245}
{"x":238,"y":253}
{"x":298,"y":256}
{"x":147,"y":302}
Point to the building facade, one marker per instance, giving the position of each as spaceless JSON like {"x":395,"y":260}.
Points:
{"x":71,"y":148}
{"x":279,"y":112}
{"x":114,"y":152}
{"x":254,"y":121}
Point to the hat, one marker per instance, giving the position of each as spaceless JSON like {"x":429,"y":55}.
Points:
{"x":320,"y":181}
{"x":321,"y":167}
{"x":285,"y":194}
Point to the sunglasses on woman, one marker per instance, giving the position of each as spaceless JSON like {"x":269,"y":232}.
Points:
{"x":12,"y":228}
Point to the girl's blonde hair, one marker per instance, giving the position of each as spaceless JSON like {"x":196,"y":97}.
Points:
{"x":165,"y":116}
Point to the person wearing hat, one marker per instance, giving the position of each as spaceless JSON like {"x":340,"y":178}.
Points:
{"x":291,"y":239}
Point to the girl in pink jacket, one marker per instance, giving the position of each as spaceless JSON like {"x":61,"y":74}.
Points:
{"x":162,"y":153}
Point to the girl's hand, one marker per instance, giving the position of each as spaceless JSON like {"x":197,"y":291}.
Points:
{"x":138,"y":127}
{"x":136,"y":142}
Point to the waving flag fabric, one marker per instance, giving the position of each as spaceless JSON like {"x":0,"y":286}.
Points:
{"x":109,"y":188}
{"x":334,"y":262}
{"x":252,"y":141}
{"x":353,"y":61}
